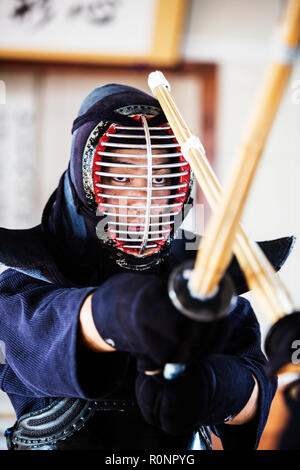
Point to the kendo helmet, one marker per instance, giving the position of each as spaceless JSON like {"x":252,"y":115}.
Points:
{"x":117,"y":117}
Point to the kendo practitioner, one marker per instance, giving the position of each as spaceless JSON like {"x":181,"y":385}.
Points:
{"x":85,"y":314}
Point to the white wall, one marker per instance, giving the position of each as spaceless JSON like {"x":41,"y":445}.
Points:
{"x":223,"y":30}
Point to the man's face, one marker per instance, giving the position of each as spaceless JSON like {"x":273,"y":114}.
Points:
{"x":132,"y":217}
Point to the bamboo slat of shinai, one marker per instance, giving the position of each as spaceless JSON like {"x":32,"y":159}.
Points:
{"x":216,"y":250}
{"x":271,"y":295}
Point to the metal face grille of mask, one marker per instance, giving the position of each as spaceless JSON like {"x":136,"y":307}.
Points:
{"x":141,"y":182}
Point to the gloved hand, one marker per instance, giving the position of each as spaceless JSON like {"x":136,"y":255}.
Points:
{"x":209,"y":392}
{"x":133,"y":313}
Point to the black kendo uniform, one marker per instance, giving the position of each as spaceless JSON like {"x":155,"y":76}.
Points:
{"x":67,"y":397}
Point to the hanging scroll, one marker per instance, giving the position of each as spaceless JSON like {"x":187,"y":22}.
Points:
{"x":103,"y":31}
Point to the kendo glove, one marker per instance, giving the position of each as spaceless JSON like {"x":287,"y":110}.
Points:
{"x":133,"y":312}
{"x":210,"y":392}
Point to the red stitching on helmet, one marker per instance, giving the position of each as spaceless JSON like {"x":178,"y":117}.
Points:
{"x":97,"y":159}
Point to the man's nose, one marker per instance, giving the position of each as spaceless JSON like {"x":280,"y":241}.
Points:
{"x":138,"y":187}
{"x":137,"y":207}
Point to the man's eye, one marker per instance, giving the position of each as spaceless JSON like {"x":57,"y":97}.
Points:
{"x":159,"y":180}
{"x":120,"y":179}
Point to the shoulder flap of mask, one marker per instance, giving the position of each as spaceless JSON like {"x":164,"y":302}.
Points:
{"x":276,"y":251}
{"x":25,"y":251}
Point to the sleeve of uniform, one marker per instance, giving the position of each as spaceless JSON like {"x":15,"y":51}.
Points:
{"x":214,"y":388}
{"x":39,"y":325}
{"x":246,"y":345}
